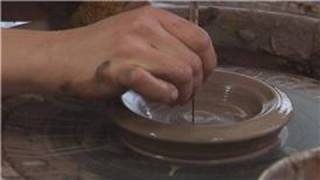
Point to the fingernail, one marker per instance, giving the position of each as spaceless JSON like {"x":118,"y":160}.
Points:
{"x":174,"y":94}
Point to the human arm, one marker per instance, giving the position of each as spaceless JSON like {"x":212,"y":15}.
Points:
{"x":148,"y":50}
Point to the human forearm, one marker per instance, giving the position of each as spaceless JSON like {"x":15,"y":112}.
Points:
{"x":27,"y":65}
{"x":159,"y":55}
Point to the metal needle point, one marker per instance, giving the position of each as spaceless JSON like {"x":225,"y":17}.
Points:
{"x":193,"y":17}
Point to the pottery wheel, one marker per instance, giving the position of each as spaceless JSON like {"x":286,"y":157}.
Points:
{"x":50,"y":138}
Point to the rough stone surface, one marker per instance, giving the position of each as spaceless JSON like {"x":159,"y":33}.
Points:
{"x":223,"y":27}
{"x":247,"y":35}
{"x":311,"y":9}
{"x":285,"y":35}
{"x":292,"y":36}
{"x":294,"y":39}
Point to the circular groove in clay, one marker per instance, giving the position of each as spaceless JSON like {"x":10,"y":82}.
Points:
{"x":232,"y":111}
{"x":276,"y":113}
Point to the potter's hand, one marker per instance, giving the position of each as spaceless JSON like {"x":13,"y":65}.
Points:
{"x":159,"y":55}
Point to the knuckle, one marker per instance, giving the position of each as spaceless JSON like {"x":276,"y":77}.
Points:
{"x":142,"y":24}
{"x":186,"y":74}
{"x":127,"y":47}
{"x":176,"y":22}
{"x":203,"y":41}
{"x":197,"y":63}
{"x":132,"y":75}
{"x":142,"y":21}
{"x":139,"y":22}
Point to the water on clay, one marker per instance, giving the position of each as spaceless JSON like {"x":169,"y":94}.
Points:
{"x":222,"y":100}
{"x":220,"y":113}
{"x":226,"y":107}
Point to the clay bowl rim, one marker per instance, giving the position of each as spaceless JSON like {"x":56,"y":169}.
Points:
{"x":296,"y":158}
{"x":262,"y":124}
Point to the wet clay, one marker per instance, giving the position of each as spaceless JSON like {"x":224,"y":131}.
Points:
{"x":232,"y":111}
{"x":301,"y":166}
{"x":216,"y":103}
{"x":222,"y":100}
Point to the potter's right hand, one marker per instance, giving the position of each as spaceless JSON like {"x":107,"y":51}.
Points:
{"x":158,"y":54}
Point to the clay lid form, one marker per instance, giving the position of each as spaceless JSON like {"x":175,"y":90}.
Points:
{"x":232,"y":111}
{"x":304,"y":165}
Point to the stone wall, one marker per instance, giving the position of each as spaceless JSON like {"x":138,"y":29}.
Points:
{"x":278,"y":35}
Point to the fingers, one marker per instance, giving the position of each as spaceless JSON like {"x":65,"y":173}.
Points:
{"x":173,"y":70}
{"x":161,"y":56}
{"x":191,"y":35}
{"x":183,"y":62}
{"x":149,"y":86}
{"x":181,"y":68}
{"x":161,"y":40}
